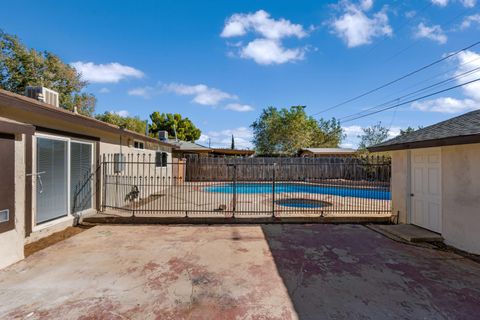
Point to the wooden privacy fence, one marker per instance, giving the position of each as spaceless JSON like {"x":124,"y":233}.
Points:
{"x":289,"y":169}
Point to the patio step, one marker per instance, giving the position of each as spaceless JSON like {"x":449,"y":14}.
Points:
{"x":410,"y":233}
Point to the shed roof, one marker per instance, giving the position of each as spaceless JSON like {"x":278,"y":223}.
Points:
{"x":329,"y":150}
{"x":463,"y":129}
{"x":188,"y":146}
{"x":233,"y":151}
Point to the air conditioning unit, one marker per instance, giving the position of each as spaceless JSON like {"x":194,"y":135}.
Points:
{"x":42,"y":94}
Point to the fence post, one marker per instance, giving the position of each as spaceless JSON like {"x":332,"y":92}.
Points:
{"x":234,"y":190}
{"x":104,"y":174}
{"x":273,"y":190}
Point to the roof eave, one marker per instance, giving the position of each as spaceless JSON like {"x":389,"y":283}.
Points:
{"x":27,"y":103}
{"x":449,"y":141}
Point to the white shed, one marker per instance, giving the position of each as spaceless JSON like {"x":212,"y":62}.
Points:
{"x":436,"y":179}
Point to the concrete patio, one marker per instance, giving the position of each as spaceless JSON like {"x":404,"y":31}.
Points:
{"x":320,"y":271}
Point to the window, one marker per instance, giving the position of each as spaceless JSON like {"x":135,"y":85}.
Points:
{"x":118,"y":162}
{"x":138,"y":145}
{"x":161,"y":159}
{"x":81,"y":161}
{"x":4,"y":215}
{"x":52,"y":179}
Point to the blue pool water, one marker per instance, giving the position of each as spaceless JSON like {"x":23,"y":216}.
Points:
{"x":251,"y":188}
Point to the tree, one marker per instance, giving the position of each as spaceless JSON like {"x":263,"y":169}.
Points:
{"x":285,"y":131}
{"x":233,"y":143}
{"x":21,"y":67}
{"x":129,"y":123}
{"x":175,"y":125}
{"x":373,"y":135}
{"x":408,"y":130}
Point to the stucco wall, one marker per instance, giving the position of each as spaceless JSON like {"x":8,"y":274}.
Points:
{"x":12,"y":242}
{"x":399,"y":185}
{"x":461,"y":196}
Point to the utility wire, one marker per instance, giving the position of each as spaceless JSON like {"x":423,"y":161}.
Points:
{"x":398,"y":79}
{"x":431,"y":78}
{"x":413,"y":100}
{"x":398,"y":99}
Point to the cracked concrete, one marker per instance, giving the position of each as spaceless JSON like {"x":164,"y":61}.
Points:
{"x":239,"y":272}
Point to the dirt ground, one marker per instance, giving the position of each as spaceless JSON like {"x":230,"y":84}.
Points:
{"x":319,"y":271}
{"x":43,"y":243}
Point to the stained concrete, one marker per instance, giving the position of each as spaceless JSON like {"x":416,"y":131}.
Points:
{"x":239,"y":272}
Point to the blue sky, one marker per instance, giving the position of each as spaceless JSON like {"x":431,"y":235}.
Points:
{"x":221,"y":62}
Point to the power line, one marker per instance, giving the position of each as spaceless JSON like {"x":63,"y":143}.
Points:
{"x":398,"y":99}
{"x":433,"y":77}
{"x":398,"y":79}
{"x":413,"y":100}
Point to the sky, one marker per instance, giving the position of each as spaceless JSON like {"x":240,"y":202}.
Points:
{"x":220,"y":62}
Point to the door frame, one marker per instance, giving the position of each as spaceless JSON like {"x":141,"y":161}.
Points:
{"x":410,"y":154}
{"x":39,"y":226}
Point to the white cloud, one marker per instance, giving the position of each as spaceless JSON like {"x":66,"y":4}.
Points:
{"x":104,"y":90}
{"x":356,"y":28}
{"x":440,"y":3}
{"x":268,"y":49}
{"x":446,"y":105}
{"x":366,"y":4}
{"x":201,"y":93}
{"x":121,"y":113}
{"x":223,"y":139}
{"x":434,"y":33}
{"x":260,"y":22}
{"x":467,"y":61}
{"x":144,"y":92}
{"x":239,"y":107}
{"x":469,"y":21}
{"x":465,"y":3}
{"x":105,"y":73}
{"x":468,"y":3}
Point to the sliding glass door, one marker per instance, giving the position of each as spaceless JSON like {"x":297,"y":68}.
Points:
{"x":80,"y":176}
{"x":51,"y":179}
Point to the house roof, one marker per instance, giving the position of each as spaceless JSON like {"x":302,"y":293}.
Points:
{"x":188,"y":146}
{"x":463,"y":129}
{"x":232,"y":151}
{"x":13,"y":100}
{"x":329,"y":150}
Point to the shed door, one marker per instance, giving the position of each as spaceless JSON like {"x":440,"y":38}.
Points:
{"x":426,"y":192}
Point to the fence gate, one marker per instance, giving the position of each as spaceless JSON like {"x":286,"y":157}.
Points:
{"x":143,"y":185}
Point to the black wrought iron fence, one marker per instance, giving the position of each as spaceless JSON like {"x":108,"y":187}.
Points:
{"x":141,"y":186}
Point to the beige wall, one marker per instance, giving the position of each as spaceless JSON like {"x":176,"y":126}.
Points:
{"x":12,"y":242}
{"x":460,"y":194}
{"x":138,"y":155}
{"x":399,"y":185}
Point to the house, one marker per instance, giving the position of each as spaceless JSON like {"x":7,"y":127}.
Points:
{"x":436,"y":179}
{"x":46,"y":153}
{"x":184,"y":149}
{"x":326,"y":152}
{"x":223,"y":153}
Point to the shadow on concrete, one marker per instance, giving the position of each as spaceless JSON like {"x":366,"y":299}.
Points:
{"x":352,"y":272}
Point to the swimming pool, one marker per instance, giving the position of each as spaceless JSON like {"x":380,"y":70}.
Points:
{"x":254,"y":188}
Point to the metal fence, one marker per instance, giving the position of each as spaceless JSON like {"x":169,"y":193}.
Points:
{"x":240,"y":188}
